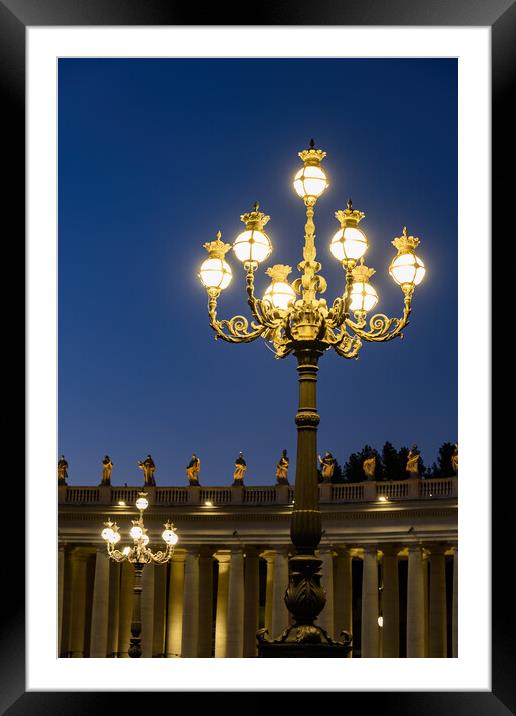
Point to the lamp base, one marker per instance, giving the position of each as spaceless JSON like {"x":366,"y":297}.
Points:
{"x":303,"y":641}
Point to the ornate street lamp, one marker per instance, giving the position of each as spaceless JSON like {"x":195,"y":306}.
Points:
{"x":307,"y":327}
{"x":138,"y":555}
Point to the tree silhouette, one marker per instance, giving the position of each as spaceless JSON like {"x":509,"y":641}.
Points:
{"x":443,"y":467}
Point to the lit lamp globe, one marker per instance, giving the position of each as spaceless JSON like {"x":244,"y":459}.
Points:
{"x":142,"y":503}
{"x":215,"y":272}
{"x":280,"y":293}
{"x":107,"y":534}
{"x":168,"y":535}
{"x":310,"y":181}
{"x":350,"y":243}
{"x":136,"y":532}
{"x":363,"y":297}
{"x":253,"y":245}
{"x":406,"y":268}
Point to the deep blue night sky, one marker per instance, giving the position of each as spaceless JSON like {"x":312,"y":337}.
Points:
{"x":154,"y":157}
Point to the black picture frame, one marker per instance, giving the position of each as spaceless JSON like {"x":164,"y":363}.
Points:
{"x":500,"y":16}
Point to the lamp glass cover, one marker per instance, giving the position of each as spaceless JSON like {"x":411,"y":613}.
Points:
{"x":215,"y":273}
{"x":252,"y":245}
{"x":310,"y":181}
{"x":349,"y":243}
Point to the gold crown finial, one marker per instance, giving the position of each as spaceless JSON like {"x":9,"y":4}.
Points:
{"x":312,"y":156}
{"x":217,"y":249}
{"x":405,"y":243}
{"x":255,"y":219}
{"x":362,"y":273}
{"x":350,"y":216}
{"x":279,"y":272}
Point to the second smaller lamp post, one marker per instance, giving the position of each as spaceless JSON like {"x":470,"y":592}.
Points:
{"x":138,"y":555}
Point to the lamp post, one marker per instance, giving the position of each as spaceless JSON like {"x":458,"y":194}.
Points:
{"x":138,"y":555}
{"x":306,"y":327}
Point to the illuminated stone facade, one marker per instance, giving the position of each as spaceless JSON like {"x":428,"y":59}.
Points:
{"x":389,"y":567}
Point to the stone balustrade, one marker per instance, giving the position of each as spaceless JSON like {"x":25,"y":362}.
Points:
{"x":369,"y":491}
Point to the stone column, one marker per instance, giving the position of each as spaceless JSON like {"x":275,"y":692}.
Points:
{"x":66,"y":621}
{"x":269,"y":592}
{"x":235,"y":628}
{"x":251,"y":600}
{"x":455,"y":621}
{"x":221,"y":621}
{"x":126,"y":609}
{"x":425,"y":563}
{"x":160,"y":608}
{"x":279,"y":610}
{"x":326,"y":617}
{"x":390,"y":602}
{"x":175,"y":605}
{"x":60,"y":591}
{"x":415,"y":604}
{"x":343,"y":593}
{"x":205,"y":602}
{"x":114,"y":609}
{"x":100,"y":606}
{"x":437,"y":603}
{"x":147,"y":610}
{"x":190,"y":636}
{"x":78,"y":608}
{"x":370,"y":627}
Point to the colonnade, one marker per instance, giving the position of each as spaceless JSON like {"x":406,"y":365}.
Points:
{"x":210,"y":602}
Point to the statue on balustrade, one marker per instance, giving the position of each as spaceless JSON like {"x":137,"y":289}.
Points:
{"x":192,"y":470}
{"x":455,"y":460}
{"x":282,"y":469}
{"x":412,"y":467}
{"x":149,"y":469}
{"x":327,"y":466}
{"x":107,"y":466}
{"x":369,"y":467}
{"x":62,"y":471}
{"x":240,"y":470}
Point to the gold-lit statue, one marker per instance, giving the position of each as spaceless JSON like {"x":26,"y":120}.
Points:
{"x":455,"y":459}
{"x":192,"y":470}
{"x":327,"y":466}
{"x":413,"y":462}
{"x":148,"y":468}
{"x":240,"y":470}
{"x":107,"y":466}
{"x":282,"y":469}
{"x":369,"y":467}
{"x":62,"y":471}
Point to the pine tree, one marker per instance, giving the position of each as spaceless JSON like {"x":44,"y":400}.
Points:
{"x":390,"y":466}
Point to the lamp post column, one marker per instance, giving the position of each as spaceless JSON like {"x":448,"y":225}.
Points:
{"x":304,"y":638}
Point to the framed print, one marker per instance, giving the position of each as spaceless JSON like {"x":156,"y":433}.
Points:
{"x":113,"y":305}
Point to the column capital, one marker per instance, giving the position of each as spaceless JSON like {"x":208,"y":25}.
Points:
{"x":223,"y":557}
{"x":179,"y":556}
{"x":82,"y":553}
{"x":370,"y":549}
{"x":192,"y":550}
{"x":342,"y":550}
{"x":325,"y":549}
{"x":282,"y":549}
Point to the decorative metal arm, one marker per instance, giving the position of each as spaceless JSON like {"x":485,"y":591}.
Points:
{"x":380,"y":325}
{"x":237,"y":326}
